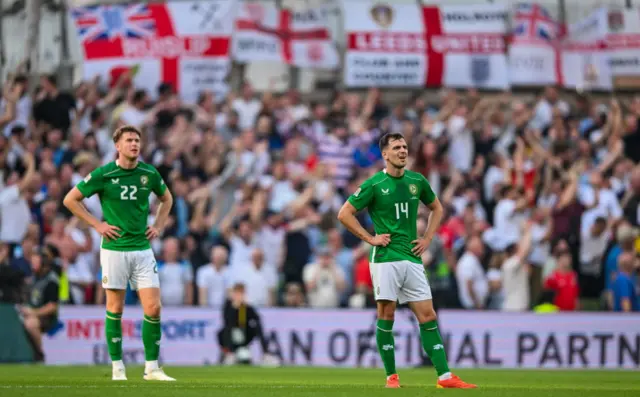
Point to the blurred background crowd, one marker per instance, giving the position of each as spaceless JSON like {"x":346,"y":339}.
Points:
{"x":542,"y":196}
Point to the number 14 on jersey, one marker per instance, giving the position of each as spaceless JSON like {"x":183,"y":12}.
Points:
{"x":402,"y":208}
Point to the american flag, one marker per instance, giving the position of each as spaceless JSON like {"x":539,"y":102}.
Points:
{"x":108,"y":22}
{"x":533,"y":22}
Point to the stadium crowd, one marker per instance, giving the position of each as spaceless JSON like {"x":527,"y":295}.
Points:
{"x":542,"y":199}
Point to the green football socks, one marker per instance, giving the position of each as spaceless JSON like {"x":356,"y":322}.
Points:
{"x":384,"y":339}
{"x":113,"y":333}
{"x":433,"y":346}
{"x":151,"y":333}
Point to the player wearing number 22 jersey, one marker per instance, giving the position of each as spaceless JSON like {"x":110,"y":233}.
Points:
{"x":124,"y":187}
{"x":392,"y":197}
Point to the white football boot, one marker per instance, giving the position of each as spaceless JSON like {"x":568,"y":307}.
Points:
{"x":158,"y":374}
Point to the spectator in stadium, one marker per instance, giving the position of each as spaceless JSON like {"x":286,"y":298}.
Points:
{"x":40,"y":314}
{"x":595,"y":240}
{"x":241,"y":326}
{"x":563,"y":281}
{"x":175,"y":274}
{"x":15,"y":215}
{"x":625,"y":242}
{"x":625,"y":298}
{"x":212,"y":279}
{"x":515,"y":273}
{"x":259,"y":280}
{"x":294,"y":295}
{"x":324,"y":280}
{"x":473,"y":286}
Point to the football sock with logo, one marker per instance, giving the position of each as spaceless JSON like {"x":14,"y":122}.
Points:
{"x":433,"y":346}
{"x":113,"y":333}
{"x":384,"y":340}
{"x":151,"y":334}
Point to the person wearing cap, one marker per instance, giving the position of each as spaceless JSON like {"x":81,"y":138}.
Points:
{"x":241,"y":325}
{"x":40,"y":315}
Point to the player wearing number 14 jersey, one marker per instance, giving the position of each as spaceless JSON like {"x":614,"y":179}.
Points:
{"x":124,"y":187}
{"x":392,"y":197}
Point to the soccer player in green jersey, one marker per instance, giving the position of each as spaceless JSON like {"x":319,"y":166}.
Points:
{"x":124,"y":187}
{"x":392,"y":197}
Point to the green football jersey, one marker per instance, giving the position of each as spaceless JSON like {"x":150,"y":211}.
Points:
{"x":393,"y":206}
{"x":124,"y":195}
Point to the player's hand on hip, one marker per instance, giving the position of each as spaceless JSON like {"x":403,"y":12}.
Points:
{"x":421,"y":245}
{"x":381,"y":240}
{"x":152,"y":232}
{"x":108,"y":231}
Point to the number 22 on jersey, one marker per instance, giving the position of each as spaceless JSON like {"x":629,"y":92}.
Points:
{"x":128,"y":192}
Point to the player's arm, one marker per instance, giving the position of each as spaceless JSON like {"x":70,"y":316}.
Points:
{"x":436,"y":211}
{"x":73,"y":201}
{"x":164,"y":208}
{"x":347,"y":216}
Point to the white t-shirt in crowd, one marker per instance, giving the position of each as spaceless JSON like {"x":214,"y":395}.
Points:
{"x":515,"y":285}
{"x":271,"y":242}
{"x":133,"y":116}
{"x":325,"y":293}
{"x":493,"y":177}
{"x":258,"y":282}
{"x":15,"y":215}
{"x":469,"y":268}
{"x":247,"y":111}
{"x":592,"y":249}
{"x":216,"y":282}
{"x":506,"y":221}
{"x":173,"y":280}
{"x":461,"y":148}
{"x":608,"y":203}
{"x":539,"y":249}
{"x":240,"y":252}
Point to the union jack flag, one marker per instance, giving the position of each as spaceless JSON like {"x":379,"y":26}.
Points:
{"x":95,"y":23}
{"x":532,"y":21}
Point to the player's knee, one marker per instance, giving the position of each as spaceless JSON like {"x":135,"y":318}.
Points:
{"x":426,"y":315}
{"x":115,"y":306}
{"x":152,"y":309}
{"x":386,"y":311}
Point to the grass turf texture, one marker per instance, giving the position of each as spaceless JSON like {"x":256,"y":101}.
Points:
{"x":33,"y":380}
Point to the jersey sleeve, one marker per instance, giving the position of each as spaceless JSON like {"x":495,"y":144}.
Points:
{"x":362,"y":197}
{"x":92,"y":183}
{"x":159,"y":187}
{"x":427,"y":195}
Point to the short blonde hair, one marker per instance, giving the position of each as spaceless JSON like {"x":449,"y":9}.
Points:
{"x":125,"y":129}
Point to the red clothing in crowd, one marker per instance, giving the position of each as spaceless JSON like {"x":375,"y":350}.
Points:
{"x":565,"y":284}
{"x":361,"y":273}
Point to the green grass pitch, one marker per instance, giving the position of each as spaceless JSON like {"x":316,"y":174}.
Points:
{"x":34,"y":380}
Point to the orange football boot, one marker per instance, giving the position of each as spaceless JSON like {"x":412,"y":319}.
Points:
{"x":454,"y":383}
{"x":393,"y":382}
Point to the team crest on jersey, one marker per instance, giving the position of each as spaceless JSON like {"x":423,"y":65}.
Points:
{"x":413,"y":189}
{"x":144,"y":179}
{"x":104,"y":280}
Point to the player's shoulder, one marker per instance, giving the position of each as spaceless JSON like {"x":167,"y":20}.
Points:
{"x":376,"y":178}
{"x":415,"y":175}
{"x":105,"y":169}
{"x":146,"y":167}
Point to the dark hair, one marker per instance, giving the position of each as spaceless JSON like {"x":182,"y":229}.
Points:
{"x":138,"y":96}
{"x":386,"y":138}
{"x":125,"y":129}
